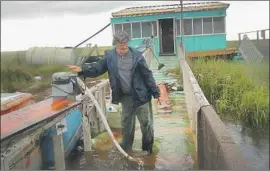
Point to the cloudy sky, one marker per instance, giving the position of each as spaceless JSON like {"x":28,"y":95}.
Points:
{"x":66,"y":23}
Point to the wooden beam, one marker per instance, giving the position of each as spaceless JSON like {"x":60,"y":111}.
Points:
{"x":87,"y":138}
{"x":59,"y":153}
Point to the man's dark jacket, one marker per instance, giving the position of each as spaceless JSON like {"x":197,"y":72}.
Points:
{"x":143,"y":83}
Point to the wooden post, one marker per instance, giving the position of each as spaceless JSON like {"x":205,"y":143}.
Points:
{"x":4,"y":164}
{"x":182,"y":23}
{"x":101,"y":102}
{"x":239,"y":39}
{"x":87,"y":139}
{"x":263,"y":34}
{"x":58,"y":145}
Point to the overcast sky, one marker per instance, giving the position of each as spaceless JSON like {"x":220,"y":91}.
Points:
{"x":25,"y":24}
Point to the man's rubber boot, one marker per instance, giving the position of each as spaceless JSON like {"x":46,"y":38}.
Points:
{"x":147,"y":146}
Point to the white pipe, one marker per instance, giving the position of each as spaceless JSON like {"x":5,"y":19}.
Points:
{"x":104,"y":120}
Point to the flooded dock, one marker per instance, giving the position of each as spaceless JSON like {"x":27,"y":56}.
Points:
{"x":174,"y":146}
{"x":174,"y":143}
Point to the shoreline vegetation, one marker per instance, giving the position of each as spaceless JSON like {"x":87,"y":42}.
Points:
{"x":238,"y":92}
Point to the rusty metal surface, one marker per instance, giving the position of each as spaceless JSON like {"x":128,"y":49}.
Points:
{"x":150,"y":10}
{"x":29,"y":116}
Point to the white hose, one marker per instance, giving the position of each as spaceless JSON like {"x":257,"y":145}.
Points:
{"x":104,"y":120}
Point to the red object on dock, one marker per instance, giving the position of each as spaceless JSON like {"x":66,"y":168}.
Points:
{"x":165,"y":106}
{"x":115,"y":134}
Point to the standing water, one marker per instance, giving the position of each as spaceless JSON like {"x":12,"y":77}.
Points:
{"x":254,"y":144}
{"x":173,"y":149}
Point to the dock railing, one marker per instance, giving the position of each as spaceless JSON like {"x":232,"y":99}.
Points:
{"x":216,"y":150}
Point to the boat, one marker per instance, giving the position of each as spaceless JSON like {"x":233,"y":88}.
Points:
{"x":14,"y":101}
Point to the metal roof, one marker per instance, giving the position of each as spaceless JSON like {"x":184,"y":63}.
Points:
{"x":158,"y":9}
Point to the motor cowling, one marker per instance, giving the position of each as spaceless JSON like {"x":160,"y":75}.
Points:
{"x":64,"y":85}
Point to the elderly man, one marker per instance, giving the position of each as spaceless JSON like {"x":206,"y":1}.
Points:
{"x":132,"y":85}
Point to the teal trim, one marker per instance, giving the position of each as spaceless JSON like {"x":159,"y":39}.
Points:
{"x":204,"y":42}
{"x":191,"y":14}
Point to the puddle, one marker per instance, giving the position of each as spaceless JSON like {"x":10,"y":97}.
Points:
{"x":174,"y":147}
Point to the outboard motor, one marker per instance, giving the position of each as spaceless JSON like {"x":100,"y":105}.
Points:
{"x":64,"y":86}
{"x":64,"y":92}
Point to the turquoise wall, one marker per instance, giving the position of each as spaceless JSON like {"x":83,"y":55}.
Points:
{"x":204,"y":42}
{"x":192,"y":43}
{"x":191,"y":14}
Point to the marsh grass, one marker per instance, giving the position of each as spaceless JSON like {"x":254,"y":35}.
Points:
{"x":17,"y":75}
{"x":237,"y":90}
{"x":177,"y":71}
{"x":21,"y":77}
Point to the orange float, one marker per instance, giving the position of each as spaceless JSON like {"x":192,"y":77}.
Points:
{"x":60,"y":103}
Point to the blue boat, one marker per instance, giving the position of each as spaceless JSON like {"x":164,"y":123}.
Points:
{"x":70,"y":138}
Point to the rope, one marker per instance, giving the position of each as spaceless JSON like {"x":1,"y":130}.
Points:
{"x":82,"y":59}
{"x":92,"y":35}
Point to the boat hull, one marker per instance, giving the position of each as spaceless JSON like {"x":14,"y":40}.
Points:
{"x":70,"y":138}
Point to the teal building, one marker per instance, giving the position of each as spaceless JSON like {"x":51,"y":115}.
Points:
{"x":204,"y":26}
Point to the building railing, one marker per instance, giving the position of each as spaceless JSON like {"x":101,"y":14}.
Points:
{"x":249,"y":51}
{"x":254,"y":45}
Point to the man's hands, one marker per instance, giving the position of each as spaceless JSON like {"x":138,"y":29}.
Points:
{"x":75,"y":68}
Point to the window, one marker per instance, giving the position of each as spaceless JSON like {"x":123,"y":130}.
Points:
{"x":127,"y":28}
{"x":178,"y":27}
{"x":154,"y":27}
{"x":117,"y":27}
{"x":197,"y":26}
{"x":136,"y":30}
{"x":187,"y":26}
{"x":207,"y":26}
{"x":219,"y":24}
{"x":146,"y":29}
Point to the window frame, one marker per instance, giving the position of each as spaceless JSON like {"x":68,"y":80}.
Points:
{"x":151,"y":21}
{"x":178,"y":24}
{"x":212,"y":21}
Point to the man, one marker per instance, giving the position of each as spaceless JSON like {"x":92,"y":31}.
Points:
{"x":132,"y":85}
